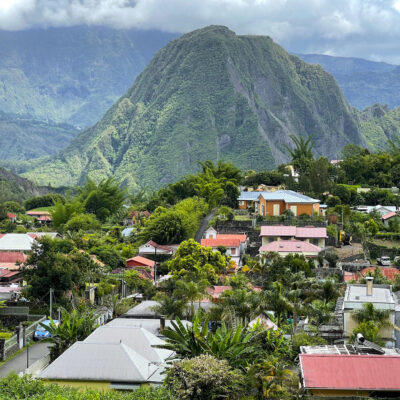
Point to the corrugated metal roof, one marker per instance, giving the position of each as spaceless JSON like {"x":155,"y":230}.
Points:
{"x":232,"y":242}
{"x":141,"y":260}
{"x":290,"y":246}
{"x":293,"y":231}
{"x":288,"y":196}
{"x":110,"y":362}
{"x":16,"y":242}
{"x":389,"y":215}
{"x":137,"y":338}
{"x":249,"y":196}
{"x":350,"y":372}
{"x":241,"y":237}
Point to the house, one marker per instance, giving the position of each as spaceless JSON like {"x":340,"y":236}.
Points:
{"x":103,"y":365}
{"x":390,"y":216}
{"x":153,"y":248}
{"x":323,"y":209}
{"x":382,"y":210}
{"x":309,"y":234}
{"x":348,"y":374}
{"x":248,"y":200}
{"x":120,"y":355}
{"x":22,"y":242}
{"x":9,"y":277}
{"x":235,"y":245}
{"x":44,"y":219}
{"x":143,"y":265}
{"x":356,"y":295}
{"x":286,"y":247}
{"x":12,"y":217}
{"x":38,"y":214}
{"x":11,"y":260}
{"x":276,"y":203}
{"x":152,"y":325}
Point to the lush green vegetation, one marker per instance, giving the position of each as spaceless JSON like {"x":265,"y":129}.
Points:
{"x":208,"y":103}
{"x":16,"y":388}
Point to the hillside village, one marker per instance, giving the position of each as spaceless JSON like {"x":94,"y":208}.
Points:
{"x":287,"y":285}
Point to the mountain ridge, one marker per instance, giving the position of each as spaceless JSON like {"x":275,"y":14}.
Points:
{"x":211,"y":94}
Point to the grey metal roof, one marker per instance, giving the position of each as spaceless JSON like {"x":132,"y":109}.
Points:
{"x":249,"y":196}
{"x":144,"y":309}
{"x":288,"y":196}
{"x":151,"y":325}
{"x":137,"y":338}
{"x":110,"y":362}
{"x":16,"y":242}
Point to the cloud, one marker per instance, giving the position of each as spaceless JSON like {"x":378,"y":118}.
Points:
{"x":364,"y":28}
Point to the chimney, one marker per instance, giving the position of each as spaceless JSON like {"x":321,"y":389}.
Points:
{"x":370,"y":283}
{"x":162,"y":323}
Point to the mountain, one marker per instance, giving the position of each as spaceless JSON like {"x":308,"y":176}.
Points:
{"x":363,"y":82}
{"x":379,"y":124}
{"x":210,"y":94}
{"x":71,"y":75}
{"x":22,"y":137}
{"x":15,"y":188}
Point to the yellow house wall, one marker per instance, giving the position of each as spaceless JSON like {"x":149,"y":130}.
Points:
{"x":350,"y":324}
{"x":243,"y":205}
{"x":270,"y":207}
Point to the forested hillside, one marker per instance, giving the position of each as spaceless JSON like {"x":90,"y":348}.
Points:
{"x":363,"y":82}
{"x":209,"y":95}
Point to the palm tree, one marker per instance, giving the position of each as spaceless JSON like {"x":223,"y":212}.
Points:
{"x":320,"y":312}
{"x":276,"y":301}
{"x":302,"y":153}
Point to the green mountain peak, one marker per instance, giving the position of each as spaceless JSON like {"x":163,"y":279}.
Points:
{"x":210,"y":94}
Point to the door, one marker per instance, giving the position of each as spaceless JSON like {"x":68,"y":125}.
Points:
{"x":276,"y":211}
{"x":293,"y":209}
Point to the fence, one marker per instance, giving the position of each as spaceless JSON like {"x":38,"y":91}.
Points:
{"x":16,"y":342}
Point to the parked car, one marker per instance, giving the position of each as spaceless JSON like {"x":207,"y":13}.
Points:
{"x":384,"y":261}
{"x":41,"y":332}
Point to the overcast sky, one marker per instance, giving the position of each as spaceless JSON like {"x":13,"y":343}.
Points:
{"x":358,"y":28}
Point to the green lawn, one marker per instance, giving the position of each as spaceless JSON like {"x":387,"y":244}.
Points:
{"x":49,"y":208}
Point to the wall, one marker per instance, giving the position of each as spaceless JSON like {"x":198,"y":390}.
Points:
{"x":350,"y":324}
{"x":303,"y":208}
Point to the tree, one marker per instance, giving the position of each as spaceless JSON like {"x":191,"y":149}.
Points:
{"x":196,"y":263}
{"x":302,"y":155}
{"x":48,"y":267}
{"x":320,"y":312}
{"x":74,"y":326}
{"x":276,"y":301}
{"x":64,"y":211}
{"x":203,"y":378}
{"x":82,"y":222}
{"x":102,"y":199}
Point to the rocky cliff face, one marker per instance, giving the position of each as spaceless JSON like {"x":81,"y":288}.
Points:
{"x":210,"y":94}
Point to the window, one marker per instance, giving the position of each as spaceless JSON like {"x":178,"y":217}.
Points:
{"x":315,"y":242}
{"x":233,"y":251}
{"x":271,"y":239}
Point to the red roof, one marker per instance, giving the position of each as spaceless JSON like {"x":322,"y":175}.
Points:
{"x":242,"y":238}
{"x":387,"y":272}
{"x":11,"y":215}
{"x":231,"y":242}
{"x":33,"y":213}
{"x":350,"y":372}
{"x":140,"y":260}
{"x":298,"y":232}
{"x":350,"y":276}
{"x":44,"y":218}
{"x":5,"y":273}
{"x":278,"y":230}
{"x":216,"y":291}
{"x":159,"y":246}
{"x":12,"y":257}
{"x":290,"y":246}
{"x":389,"y":215}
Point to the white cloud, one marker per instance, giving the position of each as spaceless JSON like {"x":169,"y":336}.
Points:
{"x":346,"y":27}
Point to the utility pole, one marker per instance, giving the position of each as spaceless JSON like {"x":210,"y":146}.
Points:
{"x":51,"y":302}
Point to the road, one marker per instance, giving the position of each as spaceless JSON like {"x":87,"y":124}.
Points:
{"x":18,"y":363}
{"x":204,"y":225}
